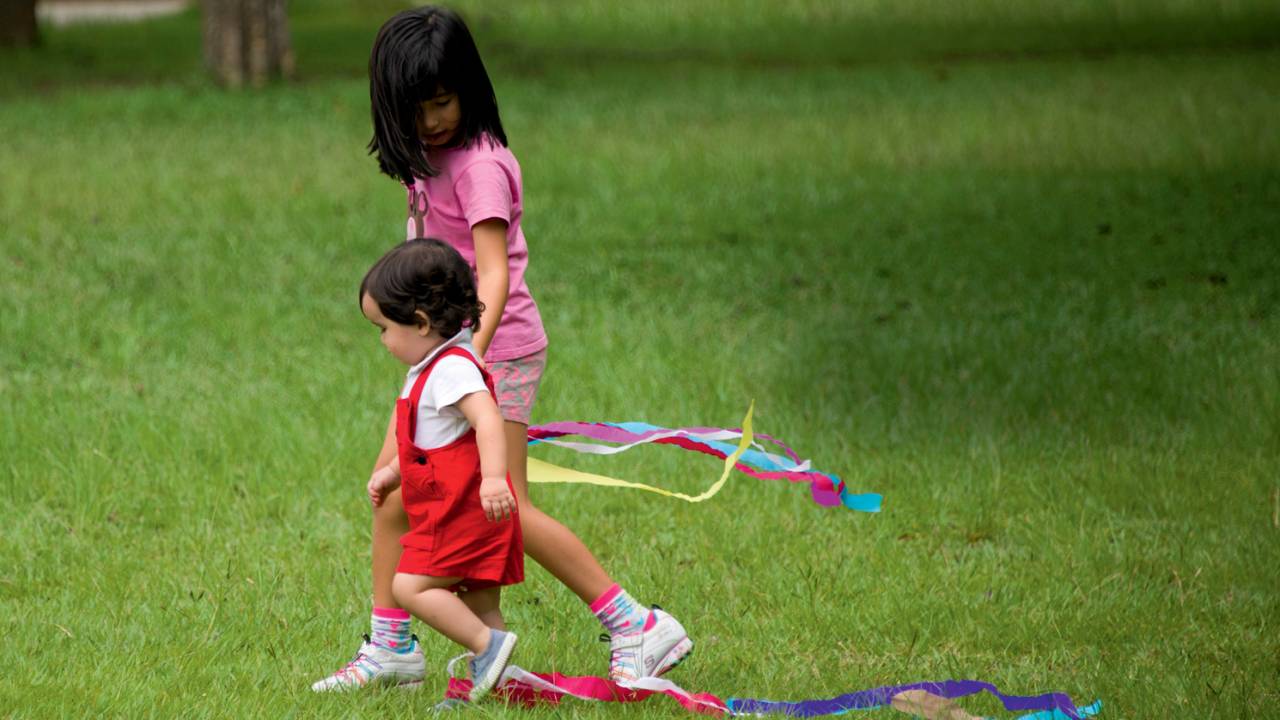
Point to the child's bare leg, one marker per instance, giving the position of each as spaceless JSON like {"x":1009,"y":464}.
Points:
{"x":643,"y":643}
{"x":430,"y":600}
{"x":389,"y":523}
{"x":486,"y":604}
{"x":550,"y":544}
{"x":389,"y":655}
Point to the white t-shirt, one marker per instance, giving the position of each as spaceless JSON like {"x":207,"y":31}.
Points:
{"x":440,"y":422}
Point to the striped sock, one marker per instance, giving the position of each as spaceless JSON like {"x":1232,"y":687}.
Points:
{"x":390,"y":629}
{"x":619,"y":612}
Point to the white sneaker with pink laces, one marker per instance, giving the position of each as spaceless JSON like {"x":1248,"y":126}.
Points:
{"x":374,"y":665}
{"x":660,"y":646}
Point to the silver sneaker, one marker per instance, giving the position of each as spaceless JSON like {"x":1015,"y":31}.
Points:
{"x":650,"y":652}
{"x":375,"y":665}
{"x":486,"y":669}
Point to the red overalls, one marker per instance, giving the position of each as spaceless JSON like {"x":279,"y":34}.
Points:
{"x":449,"y":535}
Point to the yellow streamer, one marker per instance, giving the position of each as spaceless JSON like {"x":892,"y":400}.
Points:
{"x":545,"y":472}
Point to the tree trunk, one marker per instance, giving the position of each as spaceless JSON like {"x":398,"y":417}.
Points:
{"x":247,"y":41}
{"x":17,"y":23}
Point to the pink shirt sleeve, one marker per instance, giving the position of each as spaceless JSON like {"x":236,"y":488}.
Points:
{"x":484,"y":192}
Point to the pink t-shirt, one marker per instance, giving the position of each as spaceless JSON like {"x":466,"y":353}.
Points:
{"x":479,"y":183}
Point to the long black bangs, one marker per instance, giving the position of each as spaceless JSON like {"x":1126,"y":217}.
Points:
{"x":416,"y":53}
{"x":404,"y":69}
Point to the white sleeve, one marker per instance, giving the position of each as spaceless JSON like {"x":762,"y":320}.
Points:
{"x":452,"y":379}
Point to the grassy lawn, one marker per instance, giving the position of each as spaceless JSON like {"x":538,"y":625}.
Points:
{"x":1013,"y":266}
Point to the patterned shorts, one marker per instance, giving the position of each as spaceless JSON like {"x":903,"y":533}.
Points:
{"x":515,"y":382}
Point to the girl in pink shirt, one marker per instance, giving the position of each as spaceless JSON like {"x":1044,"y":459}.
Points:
{"x":437,"y":131}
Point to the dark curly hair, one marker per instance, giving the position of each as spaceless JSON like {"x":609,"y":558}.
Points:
{"x":428,"y":275}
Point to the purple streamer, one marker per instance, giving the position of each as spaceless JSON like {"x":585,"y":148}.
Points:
{"x":608,"y":432}
{"x":882,"y":696}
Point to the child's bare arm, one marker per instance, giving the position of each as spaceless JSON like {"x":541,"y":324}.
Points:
{"x":492,"y":278}
{"x":495,"y":495}
{"x":383,"y":481}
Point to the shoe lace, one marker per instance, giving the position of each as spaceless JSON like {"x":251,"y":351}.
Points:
{"x":350,"y":668}
{"x":623,"y":659}
{"x":454,"y":662}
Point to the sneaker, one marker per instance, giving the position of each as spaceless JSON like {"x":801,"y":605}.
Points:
{"x":375,"y":665}
{"x":660,"y":646}
{"x":486,"y":668}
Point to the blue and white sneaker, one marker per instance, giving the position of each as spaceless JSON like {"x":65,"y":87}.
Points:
{"x":486,"y":668}
{"x":374,"y":665}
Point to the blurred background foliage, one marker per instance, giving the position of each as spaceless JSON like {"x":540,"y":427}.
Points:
{"x":332,"y":37}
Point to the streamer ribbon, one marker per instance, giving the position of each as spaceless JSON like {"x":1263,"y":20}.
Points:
{"x":930,"y":700}
{"x":748,"y":457}
{"x":1048,"y":705}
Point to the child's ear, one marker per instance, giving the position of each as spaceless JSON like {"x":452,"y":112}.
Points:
{"x":424,"y":323}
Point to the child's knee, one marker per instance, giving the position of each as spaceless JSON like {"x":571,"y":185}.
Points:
{"x":403,"y":588}
{"x":522,"y":499}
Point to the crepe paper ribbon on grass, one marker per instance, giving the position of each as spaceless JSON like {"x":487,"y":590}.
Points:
{"x":916,"y":697}
{"x":531,"y":689}
{"x":748,"y":457}
{"x":929,"y":700}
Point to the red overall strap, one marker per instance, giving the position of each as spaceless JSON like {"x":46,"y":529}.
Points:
{"x":415,"y":394}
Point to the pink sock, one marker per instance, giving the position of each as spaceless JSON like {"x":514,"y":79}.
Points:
{"x":390,"y":629}
{"x":619,"y":612}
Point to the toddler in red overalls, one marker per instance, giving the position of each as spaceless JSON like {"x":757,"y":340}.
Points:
{"x":464,"y":540}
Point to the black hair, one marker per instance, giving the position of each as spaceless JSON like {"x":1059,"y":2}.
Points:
{"x":415,"y":52}
{"x":427,"y":275}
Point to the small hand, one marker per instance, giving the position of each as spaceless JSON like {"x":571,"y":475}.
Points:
{"x":381,"y":483}
{"x":496,"y":499}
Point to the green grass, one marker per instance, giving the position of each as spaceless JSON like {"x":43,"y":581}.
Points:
{"x":1022,"y":282}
